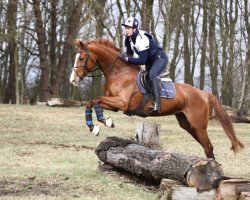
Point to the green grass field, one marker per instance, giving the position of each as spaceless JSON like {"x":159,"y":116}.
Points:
{"x":48,"y":153}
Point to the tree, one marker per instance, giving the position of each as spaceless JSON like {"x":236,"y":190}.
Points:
{"x":98,"y":9}
{"x":203,"y":47}
{"x":213,"y":55}
{"x":12,"y":94}
{"x":227,"y":73}
{"x":73,"y":25}
{"x":246,"y":70}
{"x":186,"y":30}
{"x":43,"y":52}
{"x":175,"y":25}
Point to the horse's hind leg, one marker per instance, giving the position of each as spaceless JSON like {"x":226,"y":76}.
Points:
{"x":198,"y":133}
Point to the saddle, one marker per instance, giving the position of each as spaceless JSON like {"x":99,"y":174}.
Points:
{"x":144,"y":85}
{"x":167,"y":86}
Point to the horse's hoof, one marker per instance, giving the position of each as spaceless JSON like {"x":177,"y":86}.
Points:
{"x":95,"y":130}
{"x":109,"y":123}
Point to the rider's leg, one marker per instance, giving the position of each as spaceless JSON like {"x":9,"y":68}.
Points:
{"x":156,"y":83}
{"x":158,"y":66}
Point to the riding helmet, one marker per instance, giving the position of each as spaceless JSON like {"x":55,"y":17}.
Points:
{"x":131,"y":22}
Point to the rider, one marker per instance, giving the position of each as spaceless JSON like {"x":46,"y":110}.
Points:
{"x":142,"y":49}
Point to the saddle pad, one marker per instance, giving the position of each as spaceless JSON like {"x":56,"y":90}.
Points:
{"x":167,"y":89}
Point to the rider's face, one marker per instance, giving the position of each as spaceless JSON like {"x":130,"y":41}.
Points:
{"x":129,"y":31}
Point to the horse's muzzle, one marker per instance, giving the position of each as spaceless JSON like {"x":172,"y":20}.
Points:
{"x":75,"y":83}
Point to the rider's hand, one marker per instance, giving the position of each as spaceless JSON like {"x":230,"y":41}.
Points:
{"x":124,"y":57}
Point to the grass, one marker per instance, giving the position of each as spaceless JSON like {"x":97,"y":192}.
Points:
{"x":48,"y":153}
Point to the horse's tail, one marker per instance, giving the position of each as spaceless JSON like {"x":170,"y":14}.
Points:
{"x":225,"y":122}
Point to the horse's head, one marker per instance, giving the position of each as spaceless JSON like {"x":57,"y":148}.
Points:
{"x":85,"y":61}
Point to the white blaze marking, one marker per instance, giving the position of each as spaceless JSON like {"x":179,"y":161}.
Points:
{"x":72,"y":76}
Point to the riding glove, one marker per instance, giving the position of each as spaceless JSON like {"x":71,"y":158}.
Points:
{"x":124,"y":57}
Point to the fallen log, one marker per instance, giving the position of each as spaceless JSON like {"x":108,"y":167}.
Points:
{"x":237,"y":116}
{"x":58,"y":102}
{"x":153,"y":164}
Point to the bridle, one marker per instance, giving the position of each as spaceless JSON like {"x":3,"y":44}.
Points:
{"x":85,"y":65}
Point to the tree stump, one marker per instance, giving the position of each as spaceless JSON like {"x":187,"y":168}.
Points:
{"x":153,"y":164}
{"x":147,"y":134}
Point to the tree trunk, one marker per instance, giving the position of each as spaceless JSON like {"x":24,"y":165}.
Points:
{"x":53,"y":40}
{"x":228,"y":91}
{"x":186,"y":30}
{"x":212,"y":48}
{"x":146,"y":15}
{"x":246,"y":77}
{"x":176,"y":53}
{"x":42,"y":47}
{"x":228,"y":22}
{"x":96,"y":89}
{"x":203,"y":47}
{"x":167,"y":33}
{"x":73,"y":22}
{"x":153,"y":164}
{"x":10,"y":95}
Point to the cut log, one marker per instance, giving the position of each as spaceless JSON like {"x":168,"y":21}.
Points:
{"x":233,"y":189}
{"x":187,"y":193}
{"x":147,"y":134}
{"x":244,"y":196}
{"x":153,"y":164}
{"x":64,"y":103}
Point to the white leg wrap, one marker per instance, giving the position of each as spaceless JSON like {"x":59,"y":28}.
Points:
{"x":109,"y":122}
{"x":96,"y":130}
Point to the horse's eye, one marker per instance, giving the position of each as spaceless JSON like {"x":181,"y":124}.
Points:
{"x":81,"y":59}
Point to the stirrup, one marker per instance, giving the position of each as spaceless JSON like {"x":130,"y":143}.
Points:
{"x":155,"y":108}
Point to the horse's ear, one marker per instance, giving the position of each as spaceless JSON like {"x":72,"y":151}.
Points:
{"x":80,"y":44}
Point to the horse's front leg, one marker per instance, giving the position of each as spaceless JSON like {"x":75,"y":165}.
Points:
{"x":89,"y":120}
{"x":99,"y":115}
{"x":113,"y":103}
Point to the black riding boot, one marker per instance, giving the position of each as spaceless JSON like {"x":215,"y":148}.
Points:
{"x":156,"y":83}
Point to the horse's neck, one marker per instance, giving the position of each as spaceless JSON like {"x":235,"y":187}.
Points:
{"x":110,"y":62}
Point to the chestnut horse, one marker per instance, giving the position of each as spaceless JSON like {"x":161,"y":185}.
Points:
{"x":192,"y":107}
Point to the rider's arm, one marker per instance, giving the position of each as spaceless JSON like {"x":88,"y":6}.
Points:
{"x":129,"y":51}
{"x":141,"y":60}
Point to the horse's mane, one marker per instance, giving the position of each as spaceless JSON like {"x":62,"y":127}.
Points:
{"x":104,"y":42}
